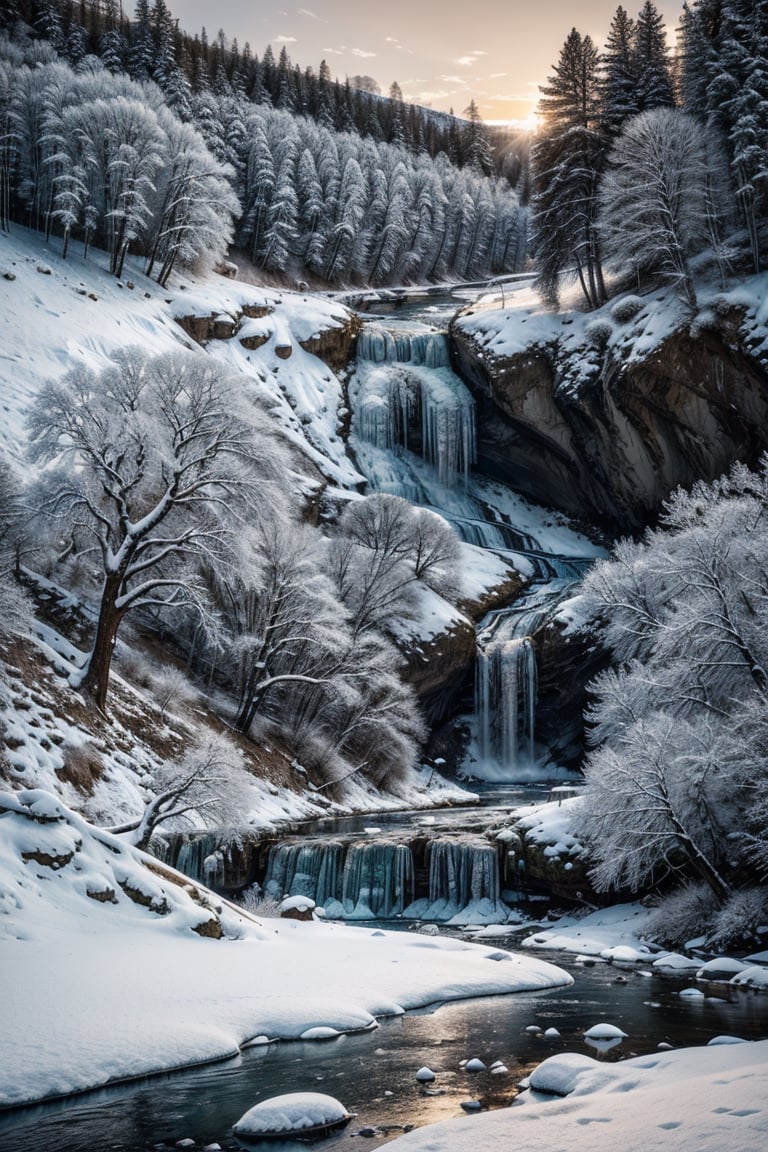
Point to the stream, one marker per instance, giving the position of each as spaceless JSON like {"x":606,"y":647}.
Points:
{"x":373,"y":1073}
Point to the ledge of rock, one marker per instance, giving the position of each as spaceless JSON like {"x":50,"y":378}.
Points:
{"x":607,"y":429}
{"x":334,"y":346}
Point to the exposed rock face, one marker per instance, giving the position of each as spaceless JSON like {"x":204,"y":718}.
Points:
{"x":635,"y":427}
{"x":440,"y":670}
{"x":437,"y":669}
{"x":334,"y":346}
{"x":566,"y":661}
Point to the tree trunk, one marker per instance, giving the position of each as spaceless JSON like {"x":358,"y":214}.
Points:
{"x":95,"y":676}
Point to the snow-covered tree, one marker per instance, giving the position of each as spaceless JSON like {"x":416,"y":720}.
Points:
{"x":618,"y":79}
{"x":676,"y":780}
{"x":207,"y":783}
{"x":149,"y":452}
{"x":651,"y":61}
{"x":659,"y":197}
{"x":13,"y":605}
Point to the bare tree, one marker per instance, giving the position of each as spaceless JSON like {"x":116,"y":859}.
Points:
{"x":155,"y":456}
{"x":207,"y":783}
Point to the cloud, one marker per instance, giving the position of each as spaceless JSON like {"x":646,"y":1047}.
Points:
{"x":452,"y":80}
{"x":428,"y":96}
{"x":333,"y":51}
{"x":391,"y":40}
{"x":312,"y":15}
{"x":361,"y":53}
{"x":498,"y":75}
{"x":285,"y":40}
{"x":471,"y":58}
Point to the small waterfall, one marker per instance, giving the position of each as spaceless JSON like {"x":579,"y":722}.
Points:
{"x":506,"y":701}
{"x":462,"y":873}
{"x":506,"y":681}
{"x":390,"y":346}
{"x":386,"y":879}
{"x":378,"y":880}
{"x":312,"y":869}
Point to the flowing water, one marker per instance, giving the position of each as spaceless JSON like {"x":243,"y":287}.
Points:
{"x":373,"y":1073}
{"x":413,"y":435}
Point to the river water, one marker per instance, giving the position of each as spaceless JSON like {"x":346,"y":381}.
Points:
{"x":373,"y":1073}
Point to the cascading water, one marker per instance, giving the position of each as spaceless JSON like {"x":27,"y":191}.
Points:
{"x":506,"y":681}
{"x":413,"y":430}
{"x":405,"y":396}
{"x":413,"y":435}
{"x":377,"y":879}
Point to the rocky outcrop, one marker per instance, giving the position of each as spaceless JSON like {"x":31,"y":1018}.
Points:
{"x":437,"y":669}
{"x":334,"y":346}
{"x":605,"y":430}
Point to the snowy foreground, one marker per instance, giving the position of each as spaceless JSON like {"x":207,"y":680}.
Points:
{"x":712,"y":1099}
{"x":110,"y":978}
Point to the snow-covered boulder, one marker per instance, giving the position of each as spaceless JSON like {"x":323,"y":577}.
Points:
{"x":722,"y":968}
{"x":297,"y":908}
{"x":604,"y":1032}
{"x":754,"y":977}
{"x":557,"y":1075}
{"x":296,"y":1112}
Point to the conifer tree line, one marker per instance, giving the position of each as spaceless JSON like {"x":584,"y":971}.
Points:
{"x":136,"y":137}
{"x":648,"y":160}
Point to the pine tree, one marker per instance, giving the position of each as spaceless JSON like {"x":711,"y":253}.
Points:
{"x":738,"y":98}
{"x":141,"y":53}
{"x":477,"y":146}
{"x":617,"y":76}
{"x":651,"y":61}
{"x":567,"y":161}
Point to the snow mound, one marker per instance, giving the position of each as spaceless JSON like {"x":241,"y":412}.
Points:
{"x":301,"y":1112}
{"x":558,"y":1075}
{"x":675,"y":962}
{"x":605,"y":1032}
{"x":720,"y":968}
{"x":754,"y":977}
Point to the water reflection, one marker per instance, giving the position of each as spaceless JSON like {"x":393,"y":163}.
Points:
{"x":373,"y":1074}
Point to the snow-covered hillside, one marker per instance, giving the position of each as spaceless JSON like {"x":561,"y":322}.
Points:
{"x":56,"y":314}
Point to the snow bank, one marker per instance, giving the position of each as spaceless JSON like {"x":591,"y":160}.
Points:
{"x":600,"y":933}
{"x":697,"y":1100}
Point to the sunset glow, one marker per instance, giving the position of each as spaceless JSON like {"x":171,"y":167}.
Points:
{"x":443,"y":55}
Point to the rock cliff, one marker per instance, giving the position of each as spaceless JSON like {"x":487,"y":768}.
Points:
{"x":604,"y":416}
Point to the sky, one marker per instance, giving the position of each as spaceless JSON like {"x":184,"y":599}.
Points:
{"x":443,"y":53}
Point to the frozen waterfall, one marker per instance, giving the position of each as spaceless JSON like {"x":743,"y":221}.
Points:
{"x":385,"y":879}
{"x":506,"y":679}
{"x":405,"y":396}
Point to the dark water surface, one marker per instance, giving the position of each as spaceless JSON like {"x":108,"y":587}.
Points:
{"x":373,"y":1073}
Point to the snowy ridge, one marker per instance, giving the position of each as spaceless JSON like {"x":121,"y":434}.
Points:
{"x":56,"y":313}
